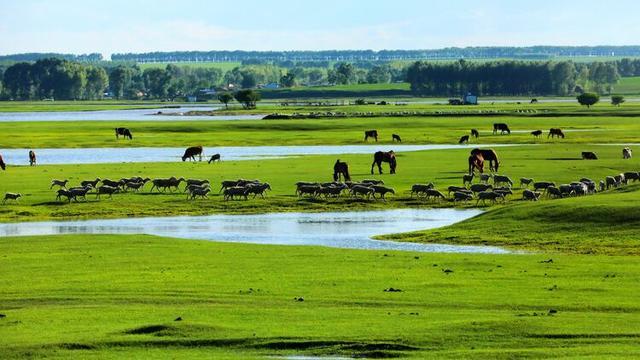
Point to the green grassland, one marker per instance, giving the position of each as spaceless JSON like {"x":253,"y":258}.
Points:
{"x":119,"y":296}
{"x":628,"y":86}
{"x":37,"y":106}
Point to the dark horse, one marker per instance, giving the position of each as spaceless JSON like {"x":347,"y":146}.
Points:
{"x":341,"y":168}
{"x":191,"y":153}
{"x":381,"y":156}
{"x":488,"y":155}
{"x":32,"y":158}
{"x":371,"y":133}
{"x":214,"y":158}
{"x":124,"y":132}
{"x":2,"y":164}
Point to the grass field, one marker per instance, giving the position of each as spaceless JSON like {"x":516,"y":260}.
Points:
{"x":628,"y":86}
{"x":570,"y":290}
{"x":28,"y":106}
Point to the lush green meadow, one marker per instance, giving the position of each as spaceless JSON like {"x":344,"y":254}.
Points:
{"x":38,"y":106}
{"x":570,"y":290}
{"x":628,"y":86}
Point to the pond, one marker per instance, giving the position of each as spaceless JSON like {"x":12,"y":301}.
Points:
{"x":169,"y":154}
{"x":115,"y":115}
{"x":352,"y":230}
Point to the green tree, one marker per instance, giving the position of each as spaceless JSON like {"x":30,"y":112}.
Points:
{"x":616,"y":100}
{"x":157,"y":82}
{"x":342,"y":74}
{"x":18,"y":82}
{"x":588,"y":99}
{"x":97,"y":82}
{"x":288,"y":80}
{"x":379,"y":74}
{"x":225,"y":98}
{"x":119,"y":80}
{"x":248,"y":98}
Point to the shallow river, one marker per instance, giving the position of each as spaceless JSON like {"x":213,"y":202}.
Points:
{"x":167,"y":154}
{"x":352,"y":230}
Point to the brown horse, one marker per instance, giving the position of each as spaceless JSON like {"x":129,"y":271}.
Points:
{"x":32,"y":158}
{"x":2,"y":164}
{"x":476,"y":162}
{"x":489,"y":155}
{"x":191,"y":153}
{"x":341,"y":168}
{"x":381,"y":156}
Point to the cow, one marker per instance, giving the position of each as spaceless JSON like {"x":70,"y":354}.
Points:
{"x":124,"y":132}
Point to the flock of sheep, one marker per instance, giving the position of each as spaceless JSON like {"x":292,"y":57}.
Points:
{"x":365,"y":189}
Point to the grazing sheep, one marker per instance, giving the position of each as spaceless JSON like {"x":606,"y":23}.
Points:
{"x":418,"y":189}
{"x":331,"y":191}
{"x":462,"y":196}
{"x":501,"y":179}
{"x":66,"y":193}
{"x":372,"y":182}
{"x":611,"y":182}
{"x":542,"y":185}
{"x":202,"y":192}
{"x":135,"y":186}
{"x":454,"y":188}
{"x":231,"y":192}
{"x":488,"y":195}
{"x":60,"y":183}
{"x":435,"y":194}
{"x":530,"y":195}
{"x":307,"y":190}
{"x":196,"y":182}
{"x":363,"y":191}
{"x":382,"y":190}
{"x":11,"y":196}
{"x":484,"y":178}
{"x":111,"y":183}
{"x":193,"y":187}
{"x":504,"y":191}
{"x":92,"y":183}
{"x":106,"y":190}
{"x":626,"y":153}
{"x":80,"y":192}
{"x":554,"y":191}
{"x":525,"y":182}
{"x":476,"y":188}
{"x":163,"y":184}
{"x":467,"y":178}
{"x":258,"y":189}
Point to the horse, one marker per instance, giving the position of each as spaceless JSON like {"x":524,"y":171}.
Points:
{"x":341,"y":168}
{"x":536,"y":133}
{"x":476,"y":161}
{"x":396,"y":137}
{"x":2,"y":164}
{"x":371,"y":133}
{"x":555,"y":132}
{"x":464,"y":139}
{"x":489,"y":155}
{"x":475,"y":133}
{"x":191,"y":153}
{"x":381,"y":156}
{"x":124,"y":132}
{"x":214,"y":158}
{"x":504,"y":128}
{"x":32,"y":158}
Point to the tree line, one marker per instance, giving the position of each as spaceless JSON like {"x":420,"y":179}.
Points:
{"x":511,"y":78}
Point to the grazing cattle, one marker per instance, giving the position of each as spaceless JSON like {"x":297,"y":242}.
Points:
{"x":464,"y":139}
{"x":341,"y":169}
{"x":488,"y":155}
{"x":214,"y":158}
{"x":590,"y":184}
{"x":555,"y":132}
{"x":566,"y":189}
{"x":588,"y":155}
{"x":382,"y":190}
{"x":602,"y":185}
{"x":232,"y":192}
{"x":631,"y":175}
{"x":362,"y":191}
{"x":396,"y":137}
{"x":191,"y":152}
{"x":620,"y":179}
{"x":530,"y":195}
{"x":503,"y":128}
{"x":542,"y":185}
{"x":91,"y":183}
{"x":417,"y":189}
{"x":124,"y":132}
{"x":371,"y":133}
{"x":554,"y":191}
{"x":258,"y":189}
{"x":476,"y":188}
{"x":467,"y":178}
{"x":462,"y":196}
{"x":2,"y":164}
{"x":501,"y":179}
{"x":626,"y":153}
{"x":202,"y":192}
{"x":475,"y":133}
{"x":525,"y":182}
{"x":32,"y":158}
{"x":380,"y":156}
{"x":488,"y":195}
{"x":611,"y":182}
{"x":106,"y":190}
{"x":66,"y":193}
{"x":579,"y":188}
{"x":60,"y":183}
{"x":533,"y":101}
{"x":536,"y":133}
{"x":11,"y":196}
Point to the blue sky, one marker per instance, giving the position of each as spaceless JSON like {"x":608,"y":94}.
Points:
{"x":82,"y":26}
